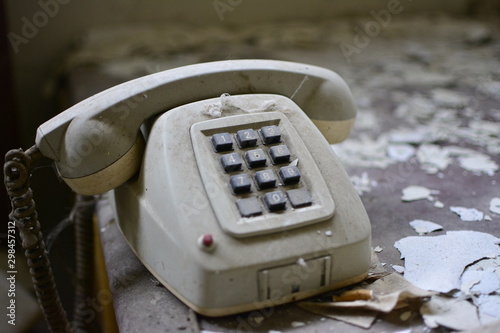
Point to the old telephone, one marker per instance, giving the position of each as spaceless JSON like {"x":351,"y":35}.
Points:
{"x":220,"y":182}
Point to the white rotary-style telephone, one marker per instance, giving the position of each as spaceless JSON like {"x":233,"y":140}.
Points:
{"x":221,"y":183}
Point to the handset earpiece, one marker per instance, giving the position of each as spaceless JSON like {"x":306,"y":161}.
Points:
{"x":96,"y":144}
{"x":111,"y":176}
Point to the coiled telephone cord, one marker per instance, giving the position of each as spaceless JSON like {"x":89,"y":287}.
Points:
{"x":17,"y":172}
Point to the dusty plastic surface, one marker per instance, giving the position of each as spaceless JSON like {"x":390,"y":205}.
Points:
{"x":99,"y":131}
{"x":165,"y":210}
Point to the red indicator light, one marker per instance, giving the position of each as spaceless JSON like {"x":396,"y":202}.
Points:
{"x":207,"y":240}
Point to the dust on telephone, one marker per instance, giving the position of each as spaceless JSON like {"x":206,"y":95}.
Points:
{"x":221,"y":178}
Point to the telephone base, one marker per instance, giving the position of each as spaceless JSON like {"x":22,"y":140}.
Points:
{"x":220,"y":312}
{"x":182,"y":216}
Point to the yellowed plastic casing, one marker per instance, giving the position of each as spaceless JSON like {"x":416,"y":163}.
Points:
{"x":181,"y":194}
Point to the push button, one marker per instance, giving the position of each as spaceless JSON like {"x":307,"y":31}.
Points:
{"x":299,"y":197}
{"x":222,"y":142}
{"x":231,"y":162}
{"x":240,"y":183}
{"x":246,"y":138}
{"x":255,"y":158}
{"x":265,"y":179}
{"x":270,"y":134}
{"x":275,"y":201}
{"x":249,"y":207}
{"x":280,"y":154}
{"x":289,"y":174}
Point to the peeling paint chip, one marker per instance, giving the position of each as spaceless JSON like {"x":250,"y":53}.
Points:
{"x":479,"y":163}
{"x":495,"y":206}
{"x":450,"y":312}
{"x":467,"y":214}
{"x":404,"y":331}
{"x":449,"y":99}
{"x":360,"y":306}
{"x":297,"y":324}
{"x":400,"y":152}
{"x":439,"y":204}
{"x":424,"y":227}
{"x":489,"y":305}
{"x":398,"y":268}
{"x":480,"y":282}
{"x":363,"y":184}
{"x":433,"y":158}
{"x":437,"y":263}
{"x":414,"y":192}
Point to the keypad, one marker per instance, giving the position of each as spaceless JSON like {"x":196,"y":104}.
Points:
{"x":231,"y":162}
{"x":246,"y":138}
{"x":299,"y":197}
{"x":270,"y":134}
{"x":258,"y":165}
{"x":265,"y":179}
{"x":240,"y":183}
{"x":279,"y":154}
{"x":289,"y":174}
{"x":249,"y":207}
{"x":255,"y":158}
{"x":275,"y":201}
{"x":222,"y":142}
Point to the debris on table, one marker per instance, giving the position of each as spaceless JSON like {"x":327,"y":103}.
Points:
{"x":433,"y":158}
{"x":495,"y":206}
{"x":354,"y":295}
{"x":479,"y":163}
{"x":400,"y":152}
{"x":478,"y":35}
{"x":382,"y":296}
{"x":377,"y":269}
{"x":468,"y":214}
{"x":480,"y":282}
{"x":449,"y":99}
{"x":364,"y":152}
{"x":456,"y":314}
{"x":458,"y":291}
{"x":423,"y":227}
{"x":414,"y":192}
{"x":396,"y":147}
{"x":489,"y":308}
{"x":362,"y":184}
{"x":469,"y":287}
{"x":398,"y":268}
{"x":436,"y":263}
{"x":417,"y":135}
{"x":438,"y":204}
{"x":297,"y":323}
{"x":404,"y":331}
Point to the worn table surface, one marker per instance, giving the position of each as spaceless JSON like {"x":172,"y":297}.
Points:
{"x":435,"y":73}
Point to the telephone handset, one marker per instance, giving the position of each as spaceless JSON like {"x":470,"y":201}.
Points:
{"x":106,"y":126}
{"x":230,"y":195}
